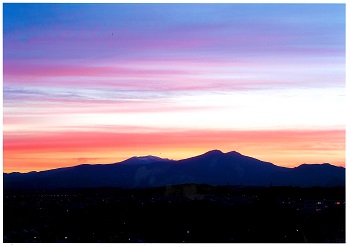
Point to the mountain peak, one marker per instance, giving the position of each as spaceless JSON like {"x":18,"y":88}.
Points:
{"x":212,"y":152}
{"x":143,"y":160}
{"x":234,"y":153}
{"x":315,"y":165}
{"x":218,"y":152}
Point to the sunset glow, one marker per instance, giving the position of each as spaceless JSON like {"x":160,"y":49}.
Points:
{"x":99,"y":83}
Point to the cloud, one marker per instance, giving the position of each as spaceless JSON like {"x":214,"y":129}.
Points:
{"x":82,"y":70}
{"x":284,"y":147}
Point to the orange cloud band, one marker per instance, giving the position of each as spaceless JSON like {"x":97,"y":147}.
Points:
{"x":42,"y":151}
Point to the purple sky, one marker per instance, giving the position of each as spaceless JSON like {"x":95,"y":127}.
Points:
{"x":160,"y":68}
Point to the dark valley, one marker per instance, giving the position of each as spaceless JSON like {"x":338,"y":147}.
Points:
{"x":188,"y":213}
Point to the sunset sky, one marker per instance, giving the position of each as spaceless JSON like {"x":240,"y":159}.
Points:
{"x":99,"y":83}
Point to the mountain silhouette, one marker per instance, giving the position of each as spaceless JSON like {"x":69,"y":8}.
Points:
{"x":212,"y":168}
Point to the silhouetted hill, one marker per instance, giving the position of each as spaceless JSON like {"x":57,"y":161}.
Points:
{"x":308,"y":175}
{"x":212,"y":168}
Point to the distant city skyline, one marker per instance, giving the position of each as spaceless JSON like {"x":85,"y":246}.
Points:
{"x":99,"y":83}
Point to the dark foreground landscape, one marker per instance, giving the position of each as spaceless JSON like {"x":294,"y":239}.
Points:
{"x":188,"y":213}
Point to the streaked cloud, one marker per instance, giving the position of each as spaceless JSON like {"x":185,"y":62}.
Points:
{"x":181,"y":75}
{"x":283,"y":147}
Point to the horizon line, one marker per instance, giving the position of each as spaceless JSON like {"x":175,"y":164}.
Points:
{"x":175,"y":160}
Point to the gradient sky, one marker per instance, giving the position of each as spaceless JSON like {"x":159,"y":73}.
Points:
{"x":99,"y":83}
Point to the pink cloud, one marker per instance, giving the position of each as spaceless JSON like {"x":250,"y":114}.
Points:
{"x":283,"y":147}
{"x":42,"y":70}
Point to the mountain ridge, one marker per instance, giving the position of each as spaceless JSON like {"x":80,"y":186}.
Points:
{"x":213,"y":168}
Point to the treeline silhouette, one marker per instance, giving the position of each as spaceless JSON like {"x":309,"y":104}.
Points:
{"x":188,"y":213}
